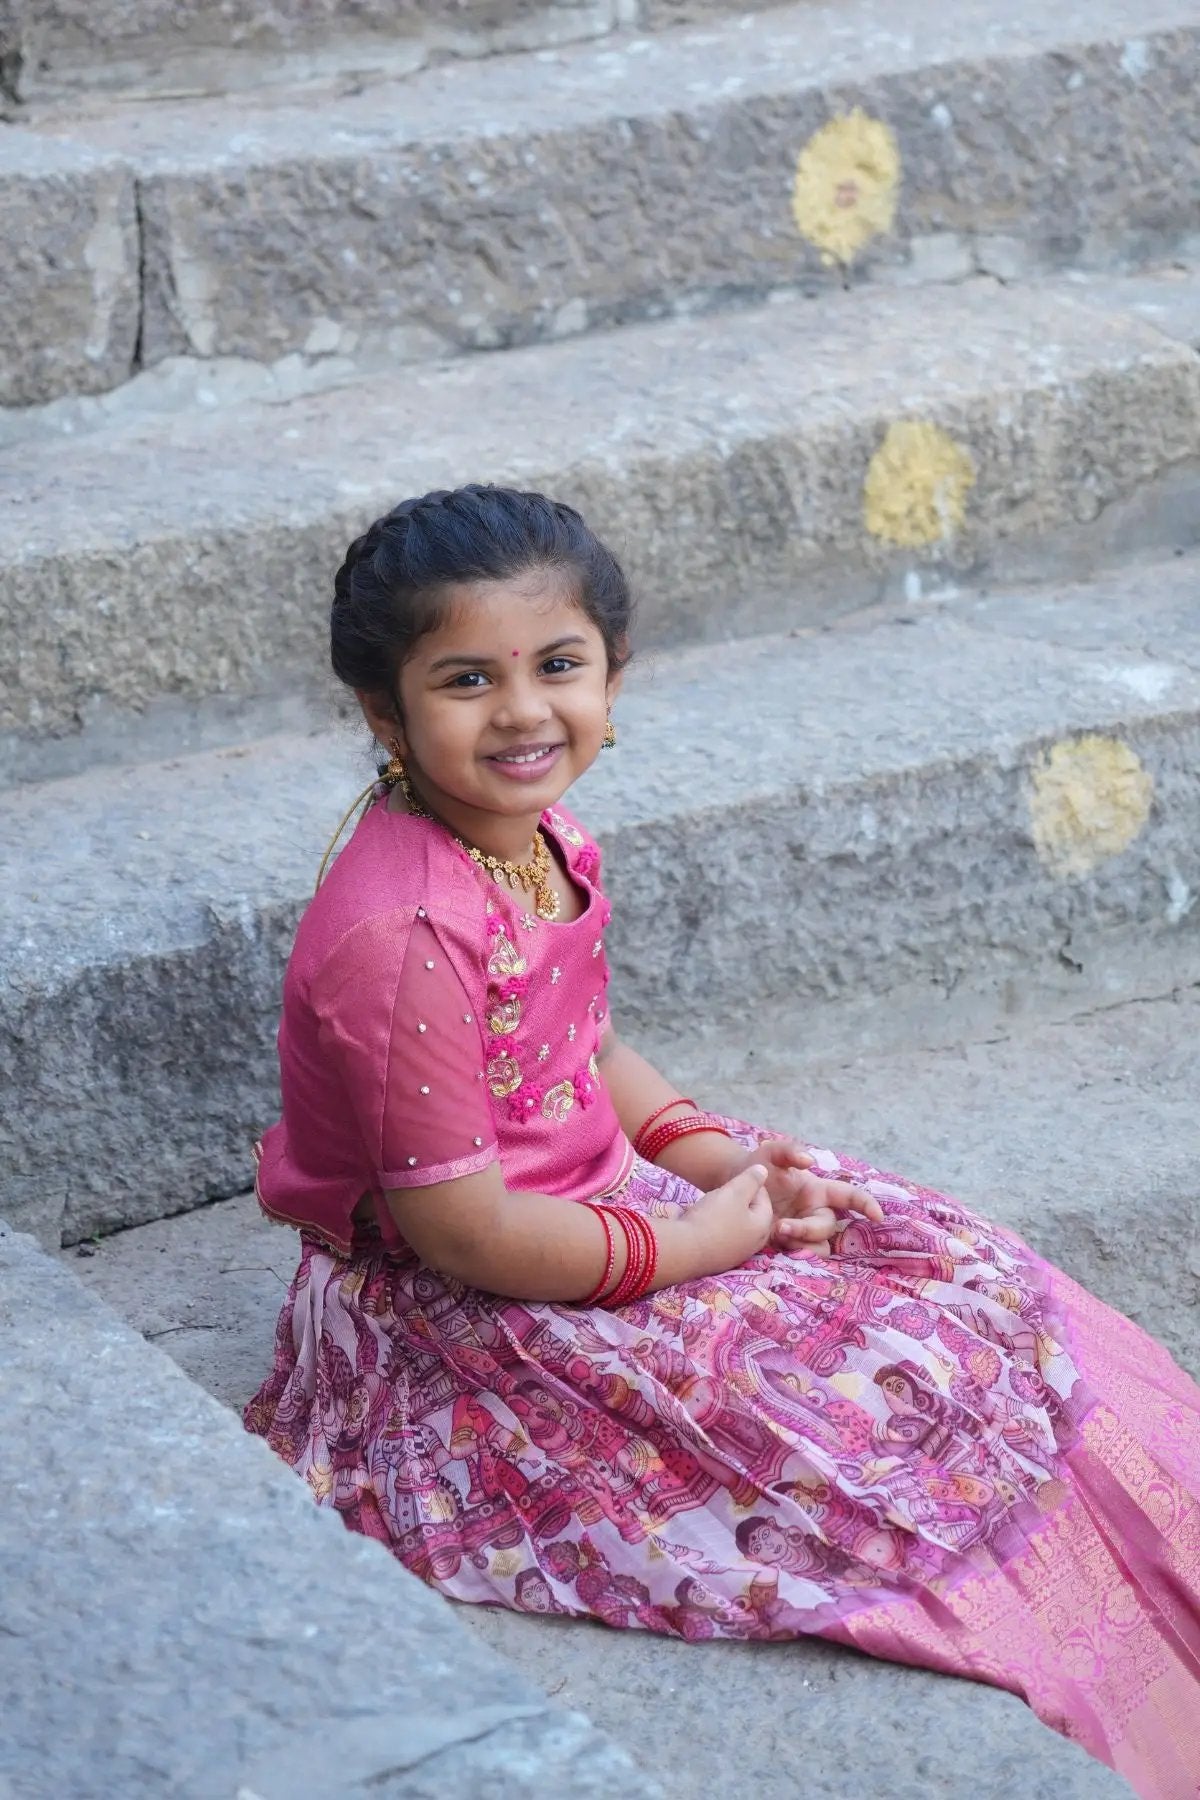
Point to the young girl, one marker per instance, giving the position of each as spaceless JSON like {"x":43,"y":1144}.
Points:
{"x":569,"y":1344}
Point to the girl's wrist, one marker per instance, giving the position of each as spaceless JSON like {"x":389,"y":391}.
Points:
{"x":681,"y":1251}
{"x":662,"y":1115}
{"x":708,"y":1159}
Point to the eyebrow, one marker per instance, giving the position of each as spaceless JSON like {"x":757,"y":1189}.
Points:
{"x":467,"y":661}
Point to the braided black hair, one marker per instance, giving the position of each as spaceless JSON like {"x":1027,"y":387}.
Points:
{"x":390,"y":590}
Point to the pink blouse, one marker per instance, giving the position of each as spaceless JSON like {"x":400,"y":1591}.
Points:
{"x":431,"y":1026}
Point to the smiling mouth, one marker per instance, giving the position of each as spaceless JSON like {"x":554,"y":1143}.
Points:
{"x":522,"y":757}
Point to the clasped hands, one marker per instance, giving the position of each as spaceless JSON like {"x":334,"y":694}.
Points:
{"x":809,"y":1207}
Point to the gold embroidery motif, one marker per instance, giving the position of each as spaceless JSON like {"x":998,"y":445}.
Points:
{"x":558,"y":1101}
{"x":506,"y":959}
{"x":593,"y":1067}
{"x":503,"y":1075}
{"x":504,"y":1016}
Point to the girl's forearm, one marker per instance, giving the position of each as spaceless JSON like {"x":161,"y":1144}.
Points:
{"x":706,"y":1159}
{"x":538,"y":1247}
{"x":634,"y":1086}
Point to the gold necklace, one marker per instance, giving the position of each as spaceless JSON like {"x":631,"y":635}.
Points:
{"x":533,"y":875}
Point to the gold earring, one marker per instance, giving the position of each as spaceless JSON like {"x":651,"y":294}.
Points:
{"x":610,"y":735}
{"x":395,"y":770}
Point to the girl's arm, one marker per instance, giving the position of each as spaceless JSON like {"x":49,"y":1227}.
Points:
{"x":807,"y":1208}
{"x":636,"y":1089}
{"x":536,"y":1247}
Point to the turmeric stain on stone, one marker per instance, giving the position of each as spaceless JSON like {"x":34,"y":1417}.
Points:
{"x":846,"y":187}
{"x":917,"y":484}
{"x":1089,"y":799}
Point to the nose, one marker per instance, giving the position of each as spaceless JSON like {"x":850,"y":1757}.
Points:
{"x":524,"y":705}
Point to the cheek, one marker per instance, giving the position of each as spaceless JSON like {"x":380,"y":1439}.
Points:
{"x":586,"y":708}
{"x":449,"y":730}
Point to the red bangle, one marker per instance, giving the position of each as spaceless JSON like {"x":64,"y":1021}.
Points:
{"x":651,"y":1269}
{"x":642,"y":1259}
{"x":645,"y":1125}
{"x":634,"y":1251}
{"x":678,"y":1128}
{"x":601,"y":1287}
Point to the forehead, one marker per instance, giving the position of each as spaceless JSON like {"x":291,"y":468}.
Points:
{"x":521,"y":613}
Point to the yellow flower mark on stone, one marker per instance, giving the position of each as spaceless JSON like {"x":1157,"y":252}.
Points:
{"x":917,"y":484}
{"x":847,"y":183}
{"x":1089,"y":799}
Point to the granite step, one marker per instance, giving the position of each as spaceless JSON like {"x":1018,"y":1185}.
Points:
{"x":61,"y":50}
{"x":186,"y":1564}
{"x":531,"y":197}
{"x":482,"y":206}
{"x":994,"y":790}
{"x":166,"y":583}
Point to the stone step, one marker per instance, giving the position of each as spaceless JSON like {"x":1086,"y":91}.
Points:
{"x":979,"y":792}
{"x":166,"y":583}
{"x":185,"y":1565}
{"x":482,"y":206}
{"x":55,"y":49}
{"x":1056,"y":1121}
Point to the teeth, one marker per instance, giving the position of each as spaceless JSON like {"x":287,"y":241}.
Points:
{"x":530,"y":756}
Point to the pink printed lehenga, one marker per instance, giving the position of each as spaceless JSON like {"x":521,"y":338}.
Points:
{"x":932,"y":1446}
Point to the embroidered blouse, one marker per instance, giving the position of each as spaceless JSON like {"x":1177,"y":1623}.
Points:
{"x":431,"y":1027}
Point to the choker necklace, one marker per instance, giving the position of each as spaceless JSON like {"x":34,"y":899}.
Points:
{"x":533,"y":875}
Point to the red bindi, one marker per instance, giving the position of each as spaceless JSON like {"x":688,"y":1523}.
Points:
{"x":516,"y":653}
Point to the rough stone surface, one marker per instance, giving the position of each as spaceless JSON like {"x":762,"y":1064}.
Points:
{"x":474,"y":207}
{"x":159,"y":46}
{"x":179,"y":1618}
{"x":864,"y":817}
{"x":724,"y":458}
{"x":70,"y":282}
{"x":800,"y":1719}
{"x":1167,"y":297}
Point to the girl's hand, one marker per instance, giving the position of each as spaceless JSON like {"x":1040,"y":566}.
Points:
{"x":806,"y":1207}
{"x":727,"y":1226}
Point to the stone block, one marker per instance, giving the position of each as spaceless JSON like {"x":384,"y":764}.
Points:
{"x":69,"y":287}
{"x":480,"y":207}
{"x":53,"y":47}
{"x":928,"y":1736}
{"x":179,"y":1617}
{"x":755,"y":470}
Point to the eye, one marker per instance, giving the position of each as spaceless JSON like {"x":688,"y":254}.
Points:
{"x":471,"y":679}
{"x":559,"y":665}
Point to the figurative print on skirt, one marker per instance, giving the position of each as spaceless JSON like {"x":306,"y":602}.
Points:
{"x":932,"y":1446}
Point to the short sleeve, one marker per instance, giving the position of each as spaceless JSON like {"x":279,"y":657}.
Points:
{"x":401,"y":1031}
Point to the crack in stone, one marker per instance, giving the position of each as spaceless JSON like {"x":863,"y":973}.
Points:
{"x":137,"y":355}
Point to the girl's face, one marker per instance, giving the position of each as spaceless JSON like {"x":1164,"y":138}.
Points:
{"x":505,"y":705}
